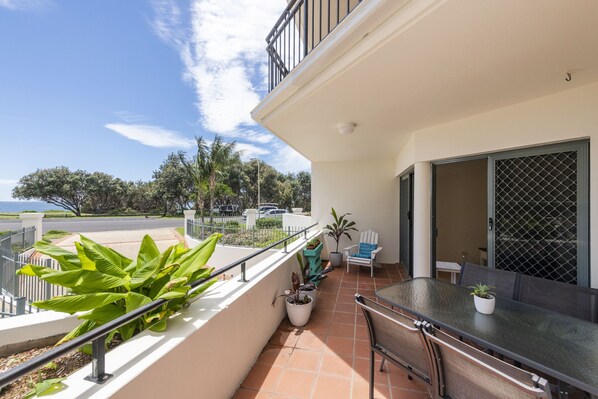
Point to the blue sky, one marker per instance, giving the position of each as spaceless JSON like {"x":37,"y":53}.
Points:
{"x":115,"y":86}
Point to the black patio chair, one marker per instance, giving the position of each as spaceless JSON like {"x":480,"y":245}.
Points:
{"x":397,"y":339}
{"x":465,"y":372}
{"x":503,"y":281}
{"x":569,"y":299}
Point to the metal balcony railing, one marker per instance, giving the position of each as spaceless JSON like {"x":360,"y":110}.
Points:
{"x":301,"y":28}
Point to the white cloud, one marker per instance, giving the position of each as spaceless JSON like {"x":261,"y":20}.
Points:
{"x":153,"y":136}
{"x":223,"y":50}
{"x":23,"y":4}
{"x":287,"y":160}
{"x":251,"y":151}
{"x":8,"y":182}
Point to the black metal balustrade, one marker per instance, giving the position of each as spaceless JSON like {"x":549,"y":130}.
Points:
{"x":98,"y":335}
{"x":301,"y":28}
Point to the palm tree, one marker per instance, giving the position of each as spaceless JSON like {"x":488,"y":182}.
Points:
{"x":196,"y":168}
{"x":217,"y":156}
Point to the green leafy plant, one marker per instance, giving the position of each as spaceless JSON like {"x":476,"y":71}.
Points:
{"x":45,"y":387}
{"x":482,"y":290}
{"x":268,"y":223}
{"x":295,"y":292}
{"x":314,"y":242}
{"x":340,"y":227}
{"x":105,"y":284}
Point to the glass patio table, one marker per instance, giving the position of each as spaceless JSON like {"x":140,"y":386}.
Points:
{"x":558,"y":345}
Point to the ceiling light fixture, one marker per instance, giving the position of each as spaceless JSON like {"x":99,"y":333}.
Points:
{"x":345,"y":128}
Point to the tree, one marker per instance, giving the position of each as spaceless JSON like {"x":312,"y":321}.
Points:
{"x":303,"y":191}
{"x":104,"y":193}
{"x":58,"y":186}
{"x":197,"y":170}
{"x":218,"y":155}
{"x":174,"y":186}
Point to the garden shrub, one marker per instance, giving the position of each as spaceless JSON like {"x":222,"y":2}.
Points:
{"x":268,"y":223}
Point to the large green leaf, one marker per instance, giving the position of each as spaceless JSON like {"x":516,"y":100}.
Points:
{"x":148,"y":251}
{"x":66,"y":259}
{"x":202,"y":288}
{"x":46,"y":388}
{"x":144,"y":272}
{"x":77,"y":303}
{"x":104,"y":314}
{"x":86,"y":262}
{"x":85,"y":281}
{"x":172,"y":284}
{"x":39,"y":271}
{"x":106,"y":259}
{"x":179,"y":292}
{"x":197,"y":257}
{"x":81,"y":329}
{"x":135,"y":301}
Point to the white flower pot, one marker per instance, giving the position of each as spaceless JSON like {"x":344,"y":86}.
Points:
{"x":484,"y":305}
{"x":313,"y":294}
{"x":299,"y":314}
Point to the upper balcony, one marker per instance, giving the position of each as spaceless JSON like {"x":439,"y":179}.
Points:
{"x":300,"y":29}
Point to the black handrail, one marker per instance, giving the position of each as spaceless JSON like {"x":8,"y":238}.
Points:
{"x":98,"y":335}
{"x":302,"y":26}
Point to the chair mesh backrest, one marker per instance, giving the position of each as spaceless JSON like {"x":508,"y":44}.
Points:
{"x":466,"y":372}
{"x":503,"y":281}
{"x":396,"y":336}
{"x":572,"y":300}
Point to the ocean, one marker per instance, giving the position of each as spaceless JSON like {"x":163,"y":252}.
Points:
{"x":21,"y":206}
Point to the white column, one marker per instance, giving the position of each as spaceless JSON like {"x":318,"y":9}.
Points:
{"x":422,"y":218}
{"x":251,"y":216}
{"x":189,"y":215}
{"x":33,"y":220}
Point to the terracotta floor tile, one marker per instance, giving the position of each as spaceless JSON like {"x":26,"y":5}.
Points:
{"x":342,"y":330}
{"x":311,"y":341}
{"x":262,"y":377}
{"x":360,"y":390}
{"x":318,"y":326}
{"x":321,"y":314}
{"x":296,"y":383}
{"x":284,"y":338}
{"x":398,"y":393}
{"x":398,"y":378}
{"x":340,"y":366}
{"x":362,"y":349}
{"x":326,"y":304}
{"x":340,"y":346}
{"x":305,"y":360}
{"x":328,"y":387}
{"x":361,"y":369}
{"x":341,"y":317}
{"x":243,"y":393}
{"x":345,"y":307}
{"x":347,"y":291}
{"x":277,"y":355}
{"x":361,"y":332}
{"x":346,"y":299}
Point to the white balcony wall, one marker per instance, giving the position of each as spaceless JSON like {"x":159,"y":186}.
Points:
{"x":208,"y":349}
{"x":366,"y":189}
{"x":568,"y":115}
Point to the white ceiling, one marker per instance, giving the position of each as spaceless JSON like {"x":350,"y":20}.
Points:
{"x":462,"y":58}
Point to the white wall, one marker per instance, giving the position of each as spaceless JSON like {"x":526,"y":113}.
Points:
{"x":208,"y":349}
{"x":569,"y":115}
{"x":368,"y":190}
{"x":295,"y":221}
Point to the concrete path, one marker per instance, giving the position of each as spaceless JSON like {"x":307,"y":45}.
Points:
{"x":126,"y":242}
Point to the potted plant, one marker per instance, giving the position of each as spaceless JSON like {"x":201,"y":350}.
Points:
{"x":313,"y":243}
{"x":483,"y":298}
{"x":298,"y":303}
{"x":336,"y":230}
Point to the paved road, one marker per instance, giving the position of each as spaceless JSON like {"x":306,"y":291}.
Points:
{"x":100,"y":224}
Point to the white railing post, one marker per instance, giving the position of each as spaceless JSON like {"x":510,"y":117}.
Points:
{"x":189,"y":215}
{"x":33,"y":220}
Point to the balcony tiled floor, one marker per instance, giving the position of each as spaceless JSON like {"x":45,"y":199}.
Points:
{"x":329,"y":357}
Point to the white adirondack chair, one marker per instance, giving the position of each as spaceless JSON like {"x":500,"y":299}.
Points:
{"x":364,"y":254}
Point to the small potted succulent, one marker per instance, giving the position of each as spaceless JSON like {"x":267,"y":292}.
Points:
{"x":299,"y":304}
{"x":336,"y":230}
{"x":483,"y":298}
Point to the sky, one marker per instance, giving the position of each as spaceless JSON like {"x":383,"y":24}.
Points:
{"x":115,"y":86}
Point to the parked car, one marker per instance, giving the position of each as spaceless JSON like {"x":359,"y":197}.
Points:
{"x":262,"y":209}
{"x":274,"y":213}
{"x":225,"y":209}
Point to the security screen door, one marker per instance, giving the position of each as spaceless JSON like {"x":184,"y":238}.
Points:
{"x":538,"y":212}
{"x":406,"y":221}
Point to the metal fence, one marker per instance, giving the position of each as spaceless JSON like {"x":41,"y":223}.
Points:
{"x":17,"y":293}
{"x":238,"y":235}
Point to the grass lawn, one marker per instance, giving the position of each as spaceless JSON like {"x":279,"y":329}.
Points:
{"x":54,"y":235}
{"x":180,"y":230}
